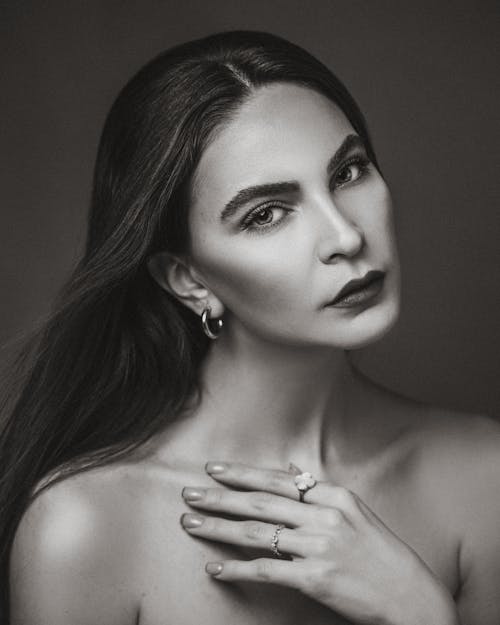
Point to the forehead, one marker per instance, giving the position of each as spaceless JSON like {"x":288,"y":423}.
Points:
{"x":282,"y":132}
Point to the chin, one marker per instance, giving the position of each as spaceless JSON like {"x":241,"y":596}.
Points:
{"x":358,"y":328}
{"x":370,"y":325}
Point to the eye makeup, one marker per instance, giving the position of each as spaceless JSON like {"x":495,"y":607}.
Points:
{"x":359,"y":161}
{"x":248,"y":220}
{"x":244,"y":196}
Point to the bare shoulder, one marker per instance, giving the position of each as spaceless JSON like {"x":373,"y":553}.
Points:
{"x":460,"y":446}
{"x":458,"y":453}
{"x":460,"y":471}
{"x":452,"y":444}
{"x":73,"y":555}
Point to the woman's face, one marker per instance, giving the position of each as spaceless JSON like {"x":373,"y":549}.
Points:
{"x":286,"y":209}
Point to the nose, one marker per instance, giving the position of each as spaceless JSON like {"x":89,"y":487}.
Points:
{"x":339,"y":235}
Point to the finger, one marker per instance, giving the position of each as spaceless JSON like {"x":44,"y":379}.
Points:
{"x":254,"y":534}
{"x":264,"y":570}
{"x":251,"y":478}
{"x":254,"y":504}
{"x":282,"y":483}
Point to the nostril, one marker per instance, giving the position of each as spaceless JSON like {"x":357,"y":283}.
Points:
{"x":335,"y":257}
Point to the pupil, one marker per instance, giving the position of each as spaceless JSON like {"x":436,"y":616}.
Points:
{"x":345,"y":175}
{"x":261,"y":214}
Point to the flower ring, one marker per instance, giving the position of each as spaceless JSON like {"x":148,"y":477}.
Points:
{"x":304,"y":482}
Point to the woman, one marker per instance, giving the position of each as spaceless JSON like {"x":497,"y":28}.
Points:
{"x":196,"y":369}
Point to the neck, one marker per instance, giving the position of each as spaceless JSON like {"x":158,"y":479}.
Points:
{"x":268,"y":404}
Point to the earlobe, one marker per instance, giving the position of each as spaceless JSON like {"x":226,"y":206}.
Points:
{"x":177,"y":278}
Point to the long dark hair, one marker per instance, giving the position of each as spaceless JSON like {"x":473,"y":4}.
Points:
{"x":119,"y":357}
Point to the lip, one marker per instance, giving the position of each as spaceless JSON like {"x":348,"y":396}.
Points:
{"x":359,"y":290}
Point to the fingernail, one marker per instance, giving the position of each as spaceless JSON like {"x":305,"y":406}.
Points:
{"x":213,"y":568}
{"x":215,"y":467}
{"x":190,"y":520}
{"x":294,"y":469}
{"x":193,"y":494}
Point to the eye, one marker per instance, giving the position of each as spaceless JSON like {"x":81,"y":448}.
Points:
{"x":351,"y":171}
{"x":262,"y":218}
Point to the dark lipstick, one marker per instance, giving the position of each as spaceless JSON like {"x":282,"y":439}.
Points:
{"x":360,"y":290}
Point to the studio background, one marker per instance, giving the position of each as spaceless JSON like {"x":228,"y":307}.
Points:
{"x":424,"y":73}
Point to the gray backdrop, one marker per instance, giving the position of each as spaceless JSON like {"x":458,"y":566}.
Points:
{"x":424,"y":73}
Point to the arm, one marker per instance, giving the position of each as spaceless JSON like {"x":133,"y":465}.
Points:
{"x":68,"y":565}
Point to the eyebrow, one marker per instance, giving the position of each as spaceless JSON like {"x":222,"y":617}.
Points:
{"x":276,"y":188}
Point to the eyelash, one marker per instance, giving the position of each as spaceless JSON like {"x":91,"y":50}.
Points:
{"x":362,"y":163}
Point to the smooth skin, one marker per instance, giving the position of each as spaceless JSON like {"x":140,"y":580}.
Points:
{"x":402,"y":525}
{"x":342,"y":554}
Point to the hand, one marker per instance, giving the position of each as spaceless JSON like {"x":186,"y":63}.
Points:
{"x":338,"y":551}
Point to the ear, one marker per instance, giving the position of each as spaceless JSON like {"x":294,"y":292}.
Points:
{"x":182,"y":280}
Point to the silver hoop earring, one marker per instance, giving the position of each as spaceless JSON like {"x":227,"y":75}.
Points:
{"x":205,"y":317}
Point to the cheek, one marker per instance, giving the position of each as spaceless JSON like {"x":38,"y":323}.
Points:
{"x":382,"y":237}
{"x":254,"y":277}
{"x":378,"y":221}
{"x":388,"y":227}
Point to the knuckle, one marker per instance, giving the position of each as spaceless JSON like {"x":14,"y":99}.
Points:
{"x":253,"y":530}
{"x":215,"y":496}
{"x":332,"y":518}
{"x":321,"y":545}
{"x":318,"y":582}
{"x":345,"y":497}
{"x":311,"y":581}
{"x":260,"y":501}
{"x":210,"y":525}
{"x":274,"y":482}
{"x":264,"y":569}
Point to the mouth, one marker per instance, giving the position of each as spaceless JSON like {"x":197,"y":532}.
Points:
{"x":358,"y":291}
